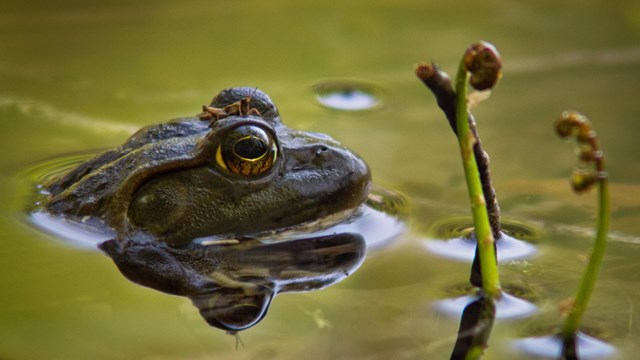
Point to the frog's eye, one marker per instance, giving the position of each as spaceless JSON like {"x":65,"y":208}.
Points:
{"x":247,"y":150}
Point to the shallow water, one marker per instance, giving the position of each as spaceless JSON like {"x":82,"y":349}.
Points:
{"x":81,"y":76}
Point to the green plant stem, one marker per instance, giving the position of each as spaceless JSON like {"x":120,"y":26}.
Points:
{"x":475,"y":353}
{"x":572,"y":322}
{"x":484,"y":235}
{"x":440,"y":85}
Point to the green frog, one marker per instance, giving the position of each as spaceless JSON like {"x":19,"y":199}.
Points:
{"x":234,"y":170}
{"x":193,"y":207}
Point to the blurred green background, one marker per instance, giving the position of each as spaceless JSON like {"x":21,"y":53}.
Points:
{"x":83,"y":75}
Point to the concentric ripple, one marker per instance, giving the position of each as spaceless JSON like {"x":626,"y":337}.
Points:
{"x":507,"y":307}
{"x":550,"y":347}
{"x":459,"y":244}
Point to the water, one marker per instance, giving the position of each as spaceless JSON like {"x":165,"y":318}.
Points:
{"x":551,"y":347}
{"x":82,"y":76}
{"x":347,"y":95}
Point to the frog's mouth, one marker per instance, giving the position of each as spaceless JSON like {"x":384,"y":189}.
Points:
{"x":327,"y":179}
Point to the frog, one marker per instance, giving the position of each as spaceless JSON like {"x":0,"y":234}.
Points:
{"x":233,"y":170}
{"x":193,"y":207}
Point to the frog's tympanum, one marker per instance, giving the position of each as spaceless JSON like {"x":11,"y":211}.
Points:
{"x":196,"y":207}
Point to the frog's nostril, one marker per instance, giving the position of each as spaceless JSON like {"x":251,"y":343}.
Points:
{"x":321,"y":150}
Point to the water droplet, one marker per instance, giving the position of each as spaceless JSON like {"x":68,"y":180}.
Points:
{"x":347,"y":95}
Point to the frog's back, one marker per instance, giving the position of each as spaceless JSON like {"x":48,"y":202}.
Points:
{"x":177,"y":128}
{"x":85,"y":189}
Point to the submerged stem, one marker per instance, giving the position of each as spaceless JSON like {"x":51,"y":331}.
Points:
{"x":475,"y":328}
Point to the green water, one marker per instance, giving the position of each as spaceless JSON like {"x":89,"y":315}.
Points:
{"x":78,"y":76}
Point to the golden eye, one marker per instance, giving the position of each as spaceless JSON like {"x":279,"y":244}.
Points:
{"x":247,"y":150}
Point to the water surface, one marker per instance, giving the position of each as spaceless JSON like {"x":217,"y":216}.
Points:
{"x":81,"y":76}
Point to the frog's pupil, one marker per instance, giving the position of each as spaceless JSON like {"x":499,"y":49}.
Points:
{"x":250,"y":147}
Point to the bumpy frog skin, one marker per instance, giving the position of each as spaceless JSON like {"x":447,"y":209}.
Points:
{"x":187,"y":199}
{"x":178,"y":181}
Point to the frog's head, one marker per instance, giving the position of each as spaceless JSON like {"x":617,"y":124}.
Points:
{"x":183,"y":200}
{"x":249,"y":173}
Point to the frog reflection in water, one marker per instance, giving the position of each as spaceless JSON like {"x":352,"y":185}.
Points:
{"x":191,"y":205}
